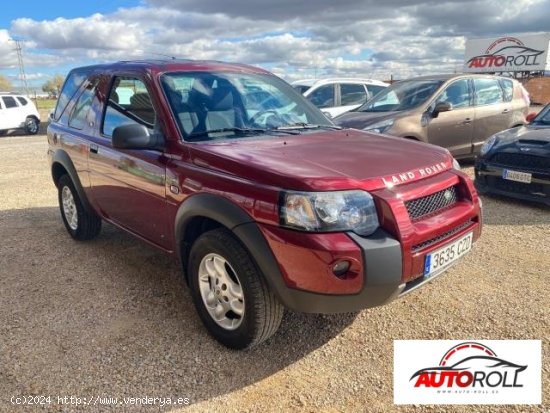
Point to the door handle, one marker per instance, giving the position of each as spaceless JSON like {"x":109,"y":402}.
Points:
{"x":467,"y":120}
{"x":505,"y":111}
{"x":94,"y":148}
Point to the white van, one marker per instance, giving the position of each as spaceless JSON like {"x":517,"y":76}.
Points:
{"x":18,"y":112}
{"x":338,"y":95}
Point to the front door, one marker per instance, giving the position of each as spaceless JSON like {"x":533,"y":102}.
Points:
{"x":453,"y":129}
{"x":128,"y":186}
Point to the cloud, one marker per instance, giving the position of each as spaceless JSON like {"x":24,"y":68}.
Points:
{"x":294,"y":39}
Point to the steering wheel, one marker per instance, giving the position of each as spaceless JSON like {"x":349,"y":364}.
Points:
{"x":261,"y":113}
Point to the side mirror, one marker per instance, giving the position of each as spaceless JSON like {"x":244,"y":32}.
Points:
{"x":529,"y":118}
{"x":327,"y":114}
{"x":136,"y":136}
{"x":441,"y":107}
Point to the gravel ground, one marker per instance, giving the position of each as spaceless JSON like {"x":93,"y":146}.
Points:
{"x":111,"y":317}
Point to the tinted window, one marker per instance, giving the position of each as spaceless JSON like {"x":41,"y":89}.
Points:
{"x":457,"y":94}
{"x":129,"y":103}
{"x":9,"y":102}
{"x":488,"y":92}
{"x":352,"y":94}
{"x":82,"y":106}
{"x":374,"y":89}
{"x":508,"y":89}
{"x":301,"y":88}
{"x":70,"y":87}
{"x":22,"y":100}
{"x":323,"y":97}
{"x":403,"y":95}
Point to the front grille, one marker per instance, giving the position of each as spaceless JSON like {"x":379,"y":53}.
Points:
{"x":522,"y":160}
{"x":431,"y":204}
{"x":441,"y":237}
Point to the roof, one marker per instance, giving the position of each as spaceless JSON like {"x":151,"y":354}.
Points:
{"x":311,"y":82}
{"x":174,"y":65}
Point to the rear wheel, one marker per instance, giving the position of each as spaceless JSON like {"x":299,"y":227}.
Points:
{"x":31,"y":126}
{"x":81,"y":224}
{"x":230,"y":295}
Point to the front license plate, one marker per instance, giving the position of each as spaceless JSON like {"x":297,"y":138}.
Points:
{"x":444,"y":256}
{"x":516,"y":176}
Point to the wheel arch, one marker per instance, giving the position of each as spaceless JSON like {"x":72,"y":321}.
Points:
{"x":61,"y":164}
{"x":202,"y":212}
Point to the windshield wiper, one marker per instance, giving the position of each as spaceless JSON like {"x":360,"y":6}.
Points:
{"x":221,"y":130}
{"x":302,"y":125}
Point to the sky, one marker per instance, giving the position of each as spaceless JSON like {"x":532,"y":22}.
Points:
{"x":294,"y":39}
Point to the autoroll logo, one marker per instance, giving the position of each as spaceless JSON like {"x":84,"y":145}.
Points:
{"x":470,"y":365}
{"x":505,"y":53}
{"x":467,"y":372}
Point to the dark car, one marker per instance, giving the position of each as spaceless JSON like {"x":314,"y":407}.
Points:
{"x":264,"y":201}
{"x":516,"y":162}
{"x":457,"y":112}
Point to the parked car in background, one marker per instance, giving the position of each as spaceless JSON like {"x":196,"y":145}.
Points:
{"x":516,"y":162}
{"x":266,"y":203}
{"x":338,"y":95}
{"x":457,"y":112}
{"x":18,"y":112}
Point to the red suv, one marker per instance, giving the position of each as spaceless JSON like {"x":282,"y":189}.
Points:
{"x":266,"y":203}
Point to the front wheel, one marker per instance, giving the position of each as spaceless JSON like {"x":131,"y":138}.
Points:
{"x":230,"y":295}
{"x":81,"y":224}
{"x":31,"y":126}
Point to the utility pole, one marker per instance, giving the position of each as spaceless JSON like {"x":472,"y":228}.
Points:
{"x":22,"y":74}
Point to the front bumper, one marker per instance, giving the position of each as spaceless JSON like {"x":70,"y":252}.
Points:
{"x":489,"y":180}
{"x":381,"y":277}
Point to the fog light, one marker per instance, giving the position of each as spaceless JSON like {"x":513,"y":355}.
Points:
{"x":341,"y":268}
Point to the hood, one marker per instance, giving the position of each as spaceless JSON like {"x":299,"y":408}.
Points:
{"x":360,"y":120}
{"x":532,"y":139}
{"x":327,"y":160}
{"x":531,"y":132}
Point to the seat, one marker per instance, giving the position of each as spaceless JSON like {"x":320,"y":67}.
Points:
{"x":141,"y":106}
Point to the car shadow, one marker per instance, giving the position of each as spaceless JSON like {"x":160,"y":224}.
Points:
{"x":112,"y":317}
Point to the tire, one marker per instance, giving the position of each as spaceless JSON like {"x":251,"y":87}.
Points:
{"x":32,"y":126}
{"x":260,"y":311}
{"x":3,"y":132}
{"x":81,"y":224}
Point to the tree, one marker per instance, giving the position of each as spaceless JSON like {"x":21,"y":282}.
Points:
{"x":5,"y":84}
{"x":53,"y":86}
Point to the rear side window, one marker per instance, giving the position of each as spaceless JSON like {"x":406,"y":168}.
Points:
{"x":352,"y":94}
{"x":9,"y":102}
{"x":70,"y":87}
{"x":22,"y":100}
{"x":508,"y":88}
{"x":129,"y":103}
{"x":78,"y":117}
{"x":488,"y":92}
{"x":323,"y":97}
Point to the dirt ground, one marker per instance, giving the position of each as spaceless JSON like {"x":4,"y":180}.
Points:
{"x":112,"y":317}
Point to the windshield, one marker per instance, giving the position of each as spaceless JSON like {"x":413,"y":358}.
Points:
{"x":225,"y":105}
{"x":402,"y":96}
{"x":543,"y":117}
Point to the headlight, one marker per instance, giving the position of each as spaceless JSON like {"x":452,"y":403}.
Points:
{"x":456,"y":165}
{"x":329,"y":211}
{"x":489,"y":143}
{"x":380,"y":127}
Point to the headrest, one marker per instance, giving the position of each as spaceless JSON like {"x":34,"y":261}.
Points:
{"x":141,"y":101}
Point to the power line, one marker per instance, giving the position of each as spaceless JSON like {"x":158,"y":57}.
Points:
{"x":22,"y":75}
